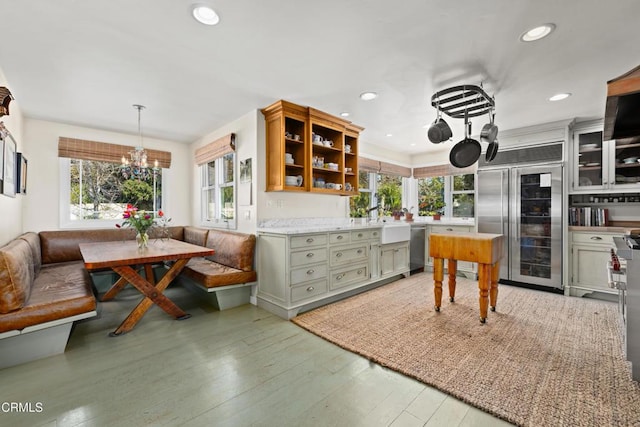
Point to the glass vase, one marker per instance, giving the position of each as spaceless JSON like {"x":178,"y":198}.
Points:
{"x":143,"y":240}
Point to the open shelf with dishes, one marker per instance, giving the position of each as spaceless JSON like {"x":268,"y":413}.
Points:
{"x":309,"y":150}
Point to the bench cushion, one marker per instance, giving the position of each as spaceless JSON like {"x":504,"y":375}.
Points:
{"x":232,"y":249}
{"x":211,"y":274}
{"x":16,"y":275}
{"x":34,"y":242}
{"x":62,"y":245}
{"x":195,"y":235}
{"x":59,"y":291}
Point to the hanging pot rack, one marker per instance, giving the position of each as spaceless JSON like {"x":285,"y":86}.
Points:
{"x":463,"y":101}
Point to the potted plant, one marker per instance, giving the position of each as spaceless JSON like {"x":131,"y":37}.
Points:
{"x":397,"y":213}
{"x":408,"y":214}
{"x":432,"y":206}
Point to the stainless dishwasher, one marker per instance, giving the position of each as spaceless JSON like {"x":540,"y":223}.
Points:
{"x":416,"y":248}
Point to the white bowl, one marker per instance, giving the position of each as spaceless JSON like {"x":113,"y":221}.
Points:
{"x":630,"y":160}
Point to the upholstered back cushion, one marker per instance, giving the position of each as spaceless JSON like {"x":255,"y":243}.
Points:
{"x":16,"y":275}
{"x":62,"y":245}
{"x":195,"y":235}
{"x":232,"y":249}
{"x":34,"y":243}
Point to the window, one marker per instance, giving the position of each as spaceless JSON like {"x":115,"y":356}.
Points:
{"x":95,"y":194}
{"x":447,"y":195}
{"x":218,"y":192}
{"x":384,"y":191}
{"x":462,"y":196}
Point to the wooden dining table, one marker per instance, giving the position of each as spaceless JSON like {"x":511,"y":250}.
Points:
{"x":486,"y":249}
{"x":125,"y":259}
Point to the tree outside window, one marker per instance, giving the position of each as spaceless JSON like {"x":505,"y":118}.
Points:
{"x":98,"y":191}
{"x":431,"y":197}
{"x":463,"y":196}
{"x":389,"y":194}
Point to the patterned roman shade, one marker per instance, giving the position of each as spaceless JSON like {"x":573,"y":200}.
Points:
{"x":442,"y":170}
{"x":216,"y":149}
{"x":104,"y":152}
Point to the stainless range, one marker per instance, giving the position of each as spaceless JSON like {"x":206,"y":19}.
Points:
{"x":628,"y":284}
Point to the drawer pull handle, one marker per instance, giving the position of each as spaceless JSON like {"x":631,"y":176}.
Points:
{"x":310,"y":288}
{"x":396,"y":250}
{"x":359,"y":251}
{"x":375,"y":233}
{"x":309,"y":240}
{"x":359,"y":271}
{"x":359,"y":234}
{"x":310,"y":254}
{"x":596,"y":238}
{"x":340,"y":237}
{"x":339,"y":276}
{"x":449,"y":229}
{"x":339,"y":254}
{"x":310,"y":271}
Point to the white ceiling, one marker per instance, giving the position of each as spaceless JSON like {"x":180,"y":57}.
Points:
{"x":87,"y":62}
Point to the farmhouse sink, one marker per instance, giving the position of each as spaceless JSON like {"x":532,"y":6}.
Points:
{"x":395,"y":232}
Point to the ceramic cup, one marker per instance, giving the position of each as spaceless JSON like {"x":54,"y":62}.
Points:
{"x":293,"y":181}
{"x":317,"y":138}
{"x":328,"y":143}
{"x":296,"y":137}
{"x":337,"y":186}
{"x":347,"y":148}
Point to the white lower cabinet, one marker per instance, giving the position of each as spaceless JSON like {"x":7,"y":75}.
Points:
{"x":299,"y":271}
{"x":468,"y":269}
{"x":590,"y":252}
{"x":394,"y":259}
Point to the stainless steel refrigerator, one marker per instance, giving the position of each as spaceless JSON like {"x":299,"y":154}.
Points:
{"x":525,"y":204}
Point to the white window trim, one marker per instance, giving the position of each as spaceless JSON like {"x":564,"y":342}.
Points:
{"x":218,"y":222}
{"x":65,"y":194}
{"x":448,"y":195}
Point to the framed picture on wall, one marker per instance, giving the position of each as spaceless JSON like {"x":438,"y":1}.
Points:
{"x":21,"y":174}
{"x":9,"y":167}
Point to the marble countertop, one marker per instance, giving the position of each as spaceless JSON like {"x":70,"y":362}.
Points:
{"x":621,"y":230}
{"x":318,"y":225}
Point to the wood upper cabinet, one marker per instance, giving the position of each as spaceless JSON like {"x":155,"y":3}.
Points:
{"x":309,"y":150}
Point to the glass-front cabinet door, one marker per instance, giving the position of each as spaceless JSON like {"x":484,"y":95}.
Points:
{"x":625,"y":169}
{"x":590,"y":162}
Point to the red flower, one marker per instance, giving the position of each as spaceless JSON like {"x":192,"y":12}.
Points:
{"x":126,"y":215}
{"x":147,"y":216}
{"x":160,"y":213}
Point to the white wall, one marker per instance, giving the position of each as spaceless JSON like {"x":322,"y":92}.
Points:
{"x":11,"y":208}
{"x":41,"y":210}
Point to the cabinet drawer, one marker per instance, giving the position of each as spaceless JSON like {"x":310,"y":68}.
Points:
{"x":593,"y":238}
{"x":450,"y":229}
{"x":352,"y":254}
{"x":375,"y":234}
{"x":308,"y":290}
{"x":308,"y":240}
{"x":360,"y":235}
{"x":309,"y":256}
{"x":314,"y":272}
{"x":349,"y":276}
{"x":340,"y":237}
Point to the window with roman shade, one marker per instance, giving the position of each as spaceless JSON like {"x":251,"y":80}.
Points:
{"x":216,"y":161}
{"x":83,"y":149}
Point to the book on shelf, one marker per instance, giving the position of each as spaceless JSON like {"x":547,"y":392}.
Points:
{"x":589,"y":217}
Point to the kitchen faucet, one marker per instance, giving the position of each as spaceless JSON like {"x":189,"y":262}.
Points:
{"x":375,"y":208}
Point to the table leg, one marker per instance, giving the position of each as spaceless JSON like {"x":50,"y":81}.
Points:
{"x":493,"y":292}
{"x":438,"y":275}
{"x":484,"y":281}
{"x":152,"y":295}
{"x":452,"y":268}
{"x":113,"y":291}
{"x":148,"y":272}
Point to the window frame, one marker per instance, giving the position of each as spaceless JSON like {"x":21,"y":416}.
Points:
{"x":449,"y":193}
{"x":373,"y":191}
{"x":218,"y":221}
{"x":65,"y":221}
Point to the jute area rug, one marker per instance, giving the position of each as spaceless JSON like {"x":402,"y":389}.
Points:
{"x":541,"y":359}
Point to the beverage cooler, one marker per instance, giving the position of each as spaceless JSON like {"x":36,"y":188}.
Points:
{"x":525,"y":205}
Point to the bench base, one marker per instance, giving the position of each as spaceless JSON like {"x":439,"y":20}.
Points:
{"x":222,"y":297}
{"x":38,"y":341}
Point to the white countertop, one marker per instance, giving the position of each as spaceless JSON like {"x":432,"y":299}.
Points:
{"x":319,"y":225}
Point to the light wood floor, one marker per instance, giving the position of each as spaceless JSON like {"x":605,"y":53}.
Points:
{"x":239,"y":367}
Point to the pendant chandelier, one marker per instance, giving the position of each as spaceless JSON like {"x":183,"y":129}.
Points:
{"x":136,"y":167}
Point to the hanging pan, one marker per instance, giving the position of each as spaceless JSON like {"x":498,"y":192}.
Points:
{"x":489,"y":131}
{"x":439,"y":131}
{"x":492,"y":150}
{"x":466,"y":152}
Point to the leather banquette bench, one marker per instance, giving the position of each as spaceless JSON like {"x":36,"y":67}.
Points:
{"x":44,"y":286}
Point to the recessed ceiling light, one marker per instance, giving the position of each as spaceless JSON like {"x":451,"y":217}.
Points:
{"x":538,"y":32}
{"x":559,"y":96}
{"x":205,"y":15}
{"x":413,"y":144}
{"x":389,"y":134}
{"x":368,"y":96}
{"x":344,"y":114}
